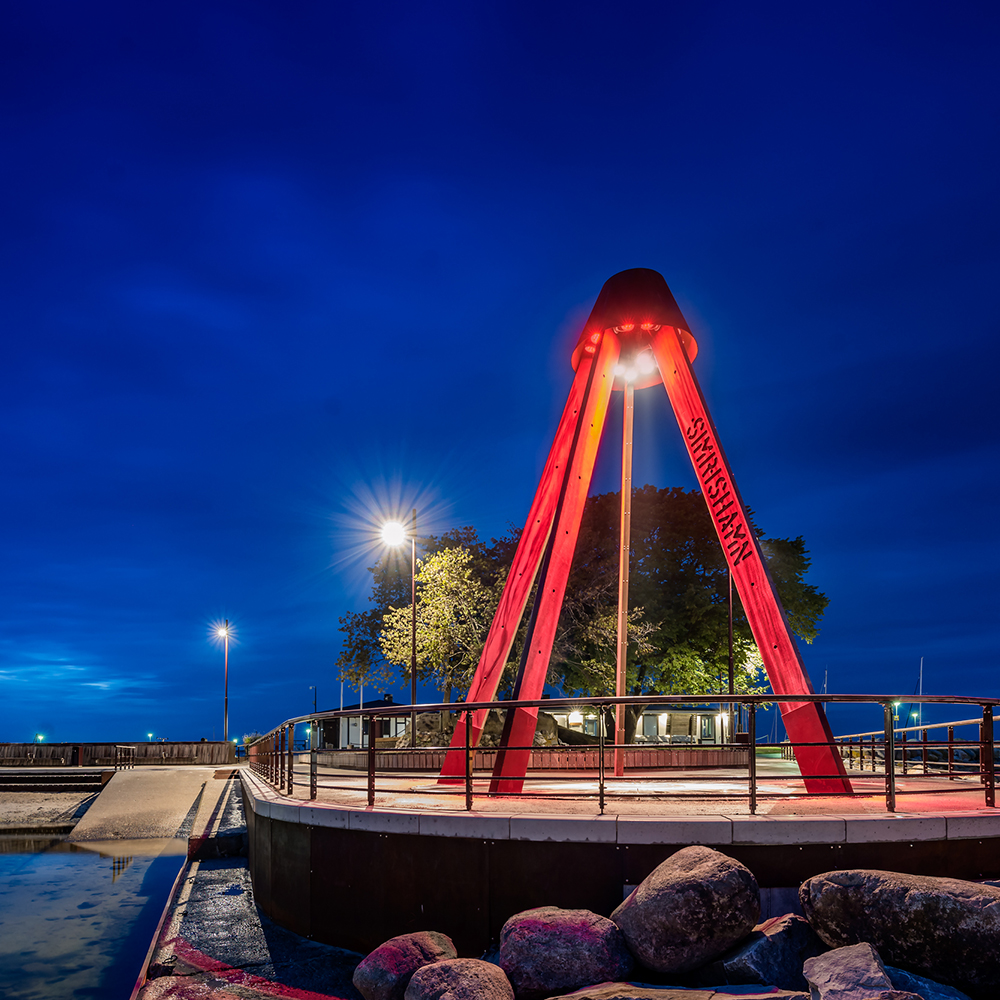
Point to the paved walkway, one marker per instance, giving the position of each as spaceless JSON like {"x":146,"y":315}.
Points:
{"x":780,"y":792}
{"x":151,"y":810}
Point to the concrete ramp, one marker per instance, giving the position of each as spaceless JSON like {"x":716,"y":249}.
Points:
{"x":152,"y":803}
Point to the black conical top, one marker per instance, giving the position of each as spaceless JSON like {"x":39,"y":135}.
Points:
{"x":635,"y":304}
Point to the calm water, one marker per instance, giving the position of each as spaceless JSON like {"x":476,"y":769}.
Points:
{"x":76,"y":923}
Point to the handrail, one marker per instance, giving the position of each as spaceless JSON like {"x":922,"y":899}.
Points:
{"x":917,"y":729}
{"x":272,"y":755}
{"x":393,"y":711}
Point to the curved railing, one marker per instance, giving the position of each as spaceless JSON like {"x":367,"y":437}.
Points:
{"x":930,"y":766}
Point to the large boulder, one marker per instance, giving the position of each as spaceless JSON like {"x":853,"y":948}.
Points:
{"x":942,"y":928}
{"x":693,"y":907}
{"x":852,"y":973}
{"x":773,"y":954}
{"x":459,"y":979}
{"x":926,"y":988}
{"x":384,"y":974}
{"x":549,"y":949}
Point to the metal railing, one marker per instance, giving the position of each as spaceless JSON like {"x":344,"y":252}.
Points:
{"x":124,"y":758}
{"x":274,"y":758}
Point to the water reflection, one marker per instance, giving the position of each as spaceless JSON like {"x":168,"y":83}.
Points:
{"x":76,"y":920}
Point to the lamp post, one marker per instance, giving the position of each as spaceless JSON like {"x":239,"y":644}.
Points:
{"x":394,"y":533}
{"x":223,"y":633}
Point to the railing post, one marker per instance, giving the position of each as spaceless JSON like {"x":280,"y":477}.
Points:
{"x":924,"y":756}
{"x":290,"y":784}
{"x":889,"y":753}
{"x":600,"y":757}
{"x":281,"y":758}
{"x":752,"y":768}
{"x":986,"y":756}
{"x":313,"y":760}
{"x":951,"y":753}
{"x":371,"y":757}
{"x":468,"y":763}
{"x":902,"y":749}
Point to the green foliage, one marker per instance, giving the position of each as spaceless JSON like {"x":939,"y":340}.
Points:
{"x":454,"y":612}
{"x":678,"y":590}
{"x":678,"y":633}
{"x":459,"y":582}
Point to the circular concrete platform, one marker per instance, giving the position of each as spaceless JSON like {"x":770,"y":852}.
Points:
{"x":340,"y":872}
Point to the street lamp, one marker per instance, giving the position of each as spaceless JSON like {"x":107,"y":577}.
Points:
{"x":394,"y":533}
{"x":223,"y":633}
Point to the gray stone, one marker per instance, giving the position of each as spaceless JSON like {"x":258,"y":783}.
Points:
{"x":549,"y":949}
{"x":773,"y":954}
{"x":384,"y":974}
{"x":691,"y":909}
{"x":851,"y":973}
{"x":942,"y":928}
{"x":927,"y":988}
{"x":638,"y":991}
{"x":459,"y":979}
{"x":892,"y":995}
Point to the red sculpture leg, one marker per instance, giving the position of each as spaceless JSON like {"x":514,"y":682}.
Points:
{"x":527,"y":560}
{"x":512,"y":764}
{"x":804,"y":721}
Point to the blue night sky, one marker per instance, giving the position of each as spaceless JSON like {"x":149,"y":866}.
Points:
{"x":271,"y":271}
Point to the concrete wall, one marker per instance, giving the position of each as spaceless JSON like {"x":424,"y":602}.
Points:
{"x":356,"y":878}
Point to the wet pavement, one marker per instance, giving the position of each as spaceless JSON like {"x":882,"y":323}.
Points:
{"x":215,"y":943}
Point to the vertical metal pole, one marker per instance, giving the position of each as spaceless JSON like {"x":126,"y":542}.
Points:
{"x":890,"y":761}
{"x":986,"y":756}
{"x":752,"y":763}
{"x":314,"y":765}
{"x":413,"y":629}
{"x":623,"y":561}
{"x":281,"y":759}
{"x":468,"y":763}
{"x":290,"y":786}
{"x":371,"y":758}
{"x":732,"y":683}
{"x":923,"y":756}
{"x":225,"y":703}
{"x":600,"y":755}
{"x":902,"y":749}
{"x":951,"y":753}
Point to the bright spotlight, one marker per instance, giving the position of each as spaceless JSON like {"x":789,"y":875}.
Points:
{"x":393,"y":533}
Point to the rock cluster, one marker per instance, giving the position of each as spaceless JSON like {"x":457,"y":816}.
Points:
{"x":694,"y":920}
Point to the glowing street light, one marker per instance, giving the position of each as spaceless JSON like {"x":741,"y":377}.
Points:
{"x":223,"y":633}
{"x":394,"y":534}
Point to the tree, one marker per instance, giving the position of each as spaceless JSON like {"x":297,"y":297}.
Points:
{"x":377,"y":641}
{"x":454,"y":613}
{"x":678,"y":592}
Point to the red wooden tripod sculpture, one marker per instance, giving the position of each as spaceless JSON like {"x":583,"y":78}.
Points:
{"x":635,"y":337}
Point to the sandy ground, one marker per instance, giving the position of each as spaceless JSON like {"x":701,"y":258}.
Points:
{"x":26,"y":809}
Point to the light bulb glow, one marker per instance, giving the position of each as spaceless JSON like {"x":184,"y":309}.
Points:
{"x":393,"y":533}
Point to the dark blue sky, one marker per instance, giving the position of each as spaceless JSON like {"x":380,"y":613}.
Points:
{"x":268,"y":269}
